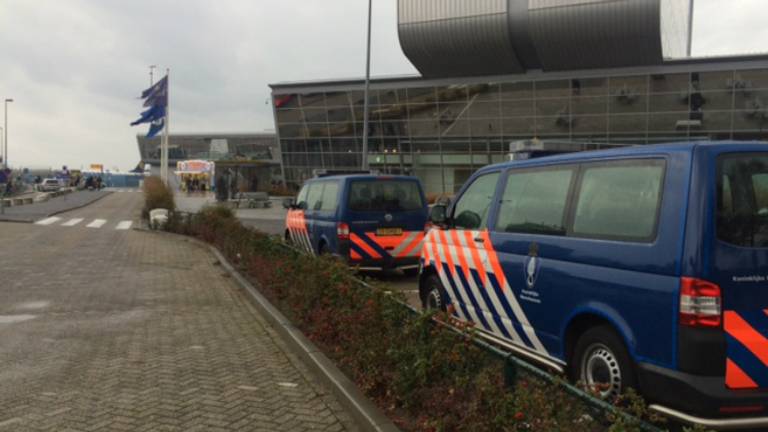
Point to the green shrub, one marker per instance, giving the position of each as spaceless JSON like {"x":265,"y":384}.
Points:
{"x":157,"y":196}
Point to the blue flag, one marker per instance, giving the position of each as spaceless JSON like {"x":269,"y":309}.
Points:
{"x":160,"y":86}
{"x":156,"y":100}
{"x":155,"y":128}
{"x":150,"y":115}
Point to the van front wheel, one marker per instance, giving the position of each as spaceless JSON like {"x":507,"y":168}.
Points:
{"x":435,"y":297}
{"x":601,"y":363}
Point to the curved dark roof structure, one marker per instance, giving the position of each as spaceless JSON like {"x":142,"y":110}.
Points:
{"x":447,"y":38}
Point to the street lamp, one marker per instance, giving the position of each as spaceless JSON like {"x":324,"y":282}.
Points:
{"x":367,"y":88}
{"x":5,"y":141}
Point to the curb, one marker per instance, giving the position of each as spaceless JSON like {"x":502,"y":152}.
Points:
{"x":81,"y":206}
{"x":3,"y":219}
{"x":351,"y":398}
{"x":364,"y":412}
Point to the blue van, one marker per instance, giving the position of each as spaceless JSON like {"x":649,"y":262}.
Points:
{"x":643,"y":267}
{"x":374,"y":222}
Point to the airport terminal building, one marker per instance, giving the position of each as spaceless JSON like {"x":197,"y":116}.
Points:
{"x":495,"y":73}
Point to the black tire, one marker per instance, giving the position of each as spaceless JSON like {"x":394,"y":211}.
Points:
{"x":434,"y":294}
{"x":324,"y":249}
{"x":411,"y":272}
{"x":288,"y":239}
{"x":602,"y":364}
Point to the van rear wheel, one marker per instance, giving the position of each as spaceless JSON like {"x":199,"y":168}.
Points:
{"x":435,"y":297}
{"x":602,"y":364}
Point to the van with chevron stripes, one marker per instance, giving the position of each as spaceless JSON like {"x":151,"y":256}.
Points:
{"x":373,"y":222}
{"x":642,"y":267}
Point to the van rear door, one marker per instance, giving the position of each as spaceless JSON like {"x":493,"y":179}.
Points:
{"x":386,"y":218}
{"x":740,"y":264}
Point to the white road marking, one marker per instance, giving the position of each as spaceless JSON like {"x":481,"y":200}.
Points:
{"x":124,"y":225}
{"x":48,"y":221}
{"x":97,"y":223}
{"x":11,"y":319}
{"x":72,"y":222}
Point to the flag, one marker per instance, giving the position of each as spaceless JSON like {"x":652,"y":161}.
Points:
{"x":160,"y":86}
{"x":157,"y":99}
{"x":157,"y":95}
{"x":156,"y":112}
{"x":155,"y":128}
{"x":156,"y":102}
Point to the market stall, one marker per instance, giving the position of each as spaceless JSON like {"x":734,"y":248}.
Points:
{"x":195,"y":175}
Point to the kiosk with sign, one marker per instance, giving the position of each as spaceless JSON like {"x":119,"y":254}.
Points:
{"x":195,"y":175}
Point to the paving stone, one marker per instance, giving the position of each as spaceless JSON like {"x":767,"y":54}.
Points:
{"x":140,"y":332}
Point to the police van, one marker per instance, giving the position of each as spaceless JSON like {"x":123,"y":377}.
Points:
{"x":374,"y":222}
{"x":643,"y":267}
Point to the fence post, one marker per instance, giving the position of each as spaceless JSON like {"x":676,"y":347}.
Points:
{"x":510,"y":372}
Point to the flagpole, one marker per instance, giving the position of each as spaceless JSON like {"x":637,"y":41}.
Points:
{"x":164,"y":143}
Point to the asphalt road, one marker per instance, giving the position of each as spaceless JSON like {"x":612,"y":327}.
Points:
{"x":107,"y":328}
{"x":32,"y":212}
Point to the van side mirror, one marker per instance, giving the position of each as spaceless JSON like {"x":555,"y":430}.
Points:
{"x":288,"y":203}
{"x":439,"y":215}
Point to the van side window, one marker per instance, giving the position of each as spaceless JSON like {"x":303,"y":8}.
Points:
{"x":314,"y":195}
{"x":471,"y":210}
{"x":534,"y":202}
{"x":301,"y":199}
{"x":619,"y":200}
{"x":742,"y":199}
{"x":330,"y":197}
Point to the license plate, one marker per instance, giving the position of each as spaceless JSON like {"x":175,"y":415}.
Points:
{"x":389,"y":231}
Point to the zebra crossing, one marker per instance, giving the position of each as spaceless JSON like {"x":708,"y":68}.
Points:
{"x":92,"y":224}
{"x":116,"y":189}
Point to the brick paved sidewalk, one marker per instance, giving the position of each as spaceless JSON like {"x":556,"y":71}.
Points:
{"x":138,"y":331}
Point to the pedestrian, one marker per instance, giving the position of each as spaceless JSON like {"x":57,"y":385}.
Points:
{"x":98,"y":183}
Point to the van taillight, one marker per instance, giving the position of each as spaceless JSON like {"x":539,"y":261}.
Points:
{"x":700,"y":303}
{"x":342,"y":231}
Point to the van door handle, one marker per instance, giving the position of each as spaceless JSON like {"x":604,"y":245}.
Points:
{"x":479,"y":239}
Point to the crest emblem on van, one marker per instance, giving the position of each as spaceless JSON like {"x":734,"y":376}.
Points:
{"x":532,"y":264}
{"x":388,"y":217}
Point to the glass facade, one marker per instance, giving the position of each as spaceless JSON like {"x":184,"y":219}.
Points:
{"x":214,"y":147}
{"x":443,"y":133}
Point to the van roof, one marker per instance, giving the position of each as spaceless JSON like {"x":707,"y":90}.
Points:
{"x":363,"y":177}
{"x":636,"y":150}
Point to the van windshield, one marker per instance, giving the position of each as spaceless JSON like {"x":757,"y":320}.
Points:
{"x":742,"y":199}
{"x":385,"y":195}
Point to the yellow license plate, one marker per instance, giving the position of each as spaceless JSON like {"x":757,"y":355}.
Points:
{"x":389,"y":231}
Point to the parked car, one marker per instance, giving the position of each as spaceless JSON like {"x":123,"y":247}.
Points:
{"x":642,"y":267}
{"x":49,"y":185}
{"x":373,"y":222}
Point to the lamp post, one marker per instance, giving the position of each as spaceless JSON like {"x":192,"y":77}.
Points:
{"x":5,"y":141}
{"x":689,"y":48}
{"x":367,"y":88}
{"x":2,"y":186}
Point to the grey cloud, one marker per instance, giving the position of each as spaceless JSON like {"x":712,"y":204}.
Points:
{"x":75,"y":67}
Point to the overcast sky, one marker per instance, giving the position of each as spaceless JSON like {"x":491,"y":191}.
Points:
{"x":75,"y":67}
